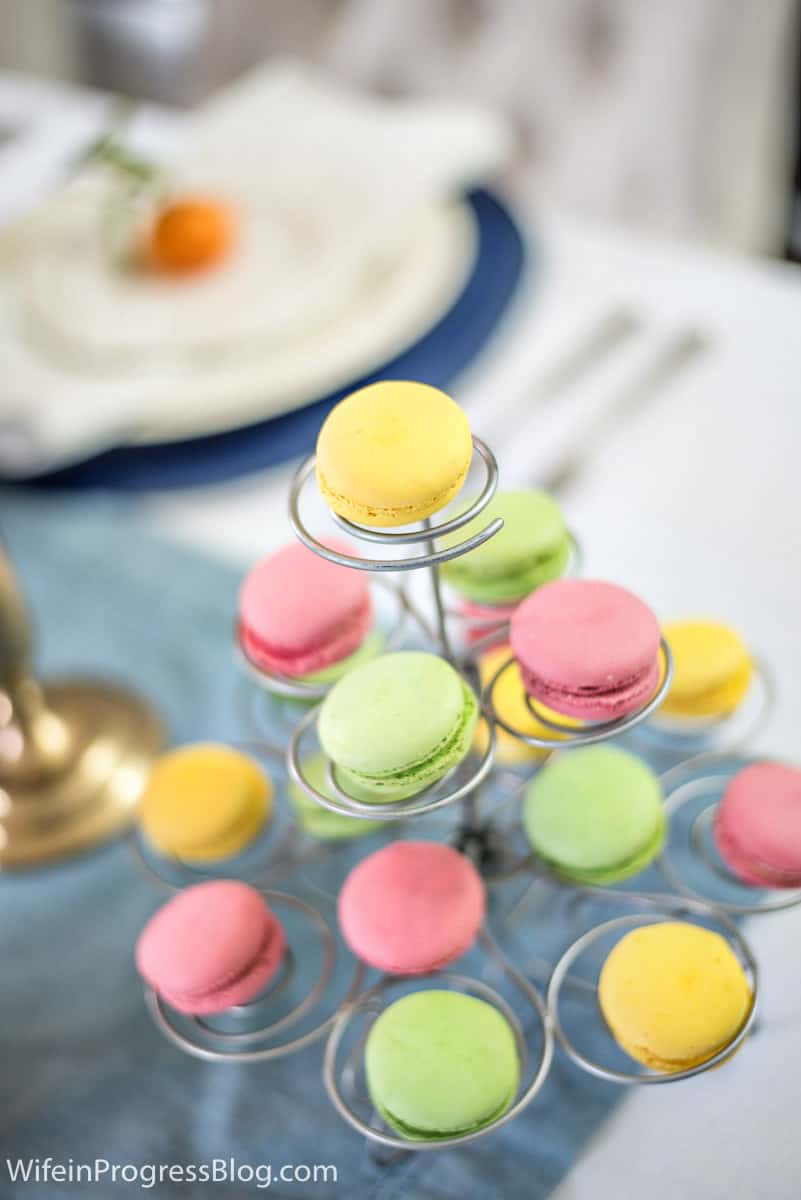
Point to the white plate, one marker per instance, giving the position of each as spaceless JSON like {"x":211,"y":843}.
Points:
{"x":59,"y":412}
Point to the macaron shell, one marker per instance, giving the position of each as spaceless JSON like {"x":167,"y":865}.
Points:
{"x":595,"y":813}
{"x":712,"y":669}
{"x":673,"y":994}
{"x":758,"y":825}
{"x":300,"y":613}
{"x":393,"y":453}
{"x":204,"y":803}
{"x":211,"y":946}
{"x":440,"y":1063}
{"x":531,"y":548}
{"x":587,"y":649}
{"x":411,"y":907}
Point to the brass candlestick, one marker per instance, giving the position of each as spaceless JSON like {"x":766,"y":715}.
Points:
{"x":74,"y":754}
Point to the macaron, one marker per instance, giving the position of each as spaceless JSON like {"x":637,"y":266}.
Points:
{"x":673,"y":995}
{"x":479,"y":620}
{"x":396,"y":725}
{"x":595,"y":815}
{"x":411,"y":907}
{"x":440,"y":1064}
{"x":210,"y":947}
{"x":587,"y":649}
{"x":758,"y":825}
{"x":509,"y":702}
{"x":393,"y":453}
{"x":319,"y":822}
{"x":300,"y":614}
{"x":712,"y":669}
{"x":532,"y":548}
{"x":205,"y":802}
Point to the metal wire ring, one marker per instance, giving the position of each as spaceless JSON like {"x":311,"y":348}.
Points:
{"x":344,"y":805}
{"x":230,"y":1041}
{"x":487,"y":993}
{"x":706,"y":786}
{"x":578,"y":947}
{"x":411,"y":537}
{"x":583,"y":735}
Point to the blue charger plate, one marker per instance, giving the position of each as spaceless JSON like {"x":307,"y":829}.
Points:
{"x":436,"y":358}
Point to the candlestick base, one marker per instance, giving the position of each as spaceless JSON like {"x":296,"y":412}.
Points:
{"x":81,"y":784}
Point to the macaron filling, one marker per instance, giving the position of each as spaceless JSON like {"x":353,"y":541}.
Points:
{"x":622,"y":698}
{"x":396,"y":514}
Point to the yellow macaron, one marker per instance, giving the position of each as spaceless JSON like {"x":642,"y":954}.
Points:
{"x":712,"y":669}
{"x":509,"y":700}
{"x":673,"y":994}
{"x":204,"y":803}
{"x":393,"y":453}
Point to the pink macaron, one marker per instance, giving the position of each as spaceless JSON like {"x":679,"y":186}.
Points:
{"x":480,"y":620}
{"x":210,"y":947}
{"x":587,"y":649}
{"x":411,"y":907}
{"x":758,"y":825}
{"x":300,"y":613}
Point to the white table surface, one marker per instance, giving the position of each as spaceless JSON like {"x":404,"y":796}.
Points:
{"x":696,"y":504}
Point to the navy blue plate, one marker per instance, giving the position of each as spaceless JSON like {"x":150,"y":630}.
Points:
{"x":436,"y":358}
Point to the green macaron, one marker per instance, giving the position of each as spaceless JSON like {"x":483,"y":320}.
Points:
{"x":595,"y":815}
{"x":320,"y":822}
{"x":397,"y":724}
{"x":532,"y":548}
{"x":440,"y":1064}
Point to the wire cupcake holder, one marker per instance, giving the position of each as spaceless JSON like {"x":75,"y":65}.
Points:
{"x":657,"y":908}
{"x":668,"y":735}
{"x":693,"y":792}
{"x":250,"y":1033}
{"x":560,"y":735}
{"x":342,"y":1074}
